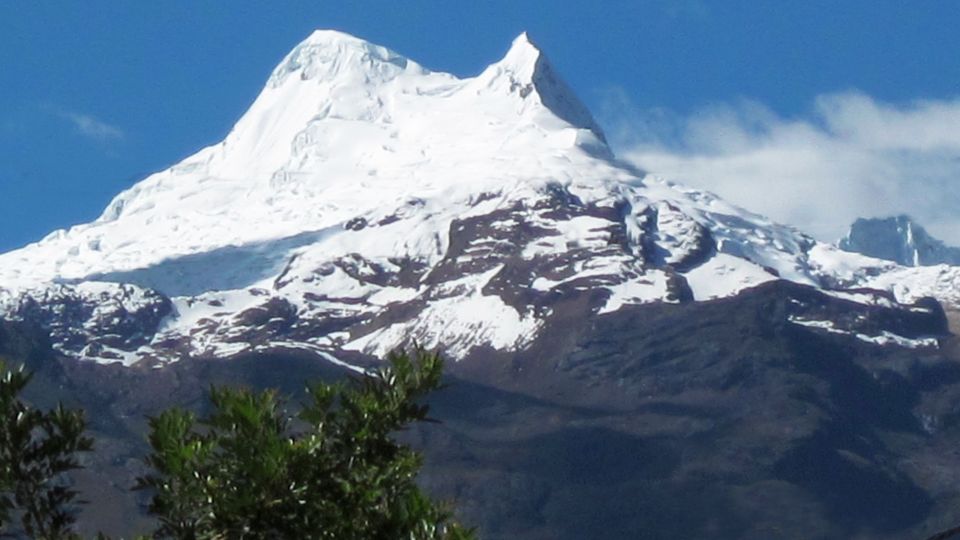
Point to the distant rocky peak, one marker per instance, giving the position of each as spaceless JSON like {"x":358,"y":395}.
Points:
{"x":899,"y":239}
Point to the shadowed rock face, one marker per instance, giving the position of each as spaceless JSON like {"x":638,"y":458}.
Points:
{"x":720,"y":419}
{"x":95,"y":323}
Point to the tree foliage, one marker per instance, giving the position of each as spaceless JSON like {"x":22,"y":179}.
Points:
{"x":37,"y":450}
{"x":332,"y":471}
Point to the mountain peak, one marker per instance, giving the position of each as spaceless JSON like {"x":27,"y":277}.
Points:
{"x":526,"y":72}
{"x":323,"y":36}
{"x":327,"y":54}
{"x":330,"y":58}
{"x":522,"y":58}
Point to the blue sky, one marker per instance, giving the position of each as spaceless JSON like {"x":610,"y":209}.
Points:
{"x":96,"y":95}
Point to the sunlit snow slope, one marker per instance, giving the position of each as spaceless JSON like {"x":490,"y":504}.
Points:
{"x":364,"y":201}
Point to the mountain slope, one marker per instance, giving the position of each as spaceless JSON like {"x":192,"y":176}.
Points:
{"x":715,"y":419}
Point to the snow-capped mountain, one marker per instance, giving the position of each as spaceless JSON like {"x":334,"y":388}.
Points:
{"x":364,"y":201}
{"x":898,"y":239}
{"x":636,"y":358}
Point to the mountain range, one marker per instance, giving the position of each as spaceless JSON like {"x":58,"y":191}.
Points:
{"x":629,"y":355}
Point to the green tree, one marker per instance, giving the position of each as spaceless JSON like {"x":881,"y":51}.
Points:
{"x":332,"y":471}
{"x":37,"y":451}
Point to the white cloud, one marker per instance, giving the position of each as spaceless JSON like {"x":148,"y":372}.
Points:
{"x":94,"y":128}
{"x":850,"y":156}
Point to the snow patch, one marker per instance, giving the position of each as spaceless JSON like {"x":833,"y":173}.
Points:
{"x":885,"y":337}
{"x":458,"y":323}
{"x":724,"y":275}
{"x":651,"y":287}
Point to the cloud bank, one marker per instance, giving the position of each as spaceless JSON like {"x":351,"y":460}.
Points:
{"x":850,"y":156}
